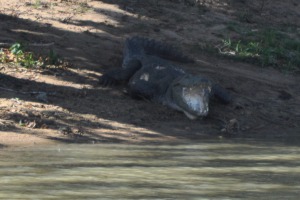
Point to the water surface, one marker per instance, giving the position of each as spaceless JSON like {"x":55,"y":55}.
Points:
{"x":208,"y":170}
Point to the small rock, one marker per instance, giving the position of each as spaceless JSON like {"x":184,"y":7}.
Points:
{"x":65,"y":130}
{"x":31,"y":124}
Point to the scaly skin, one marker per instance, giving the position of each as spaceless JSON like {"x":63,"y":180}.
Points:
{"x":149,"y":75}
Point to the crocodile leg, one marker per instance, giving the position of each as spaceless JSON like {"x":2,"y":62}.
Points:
{"x":141,"y":89}
{"x":221,"y":93}
{"x":119,"y":76}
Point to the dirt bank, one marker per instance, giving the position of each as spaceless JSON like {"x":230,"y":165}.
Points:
{"x":65,"y":104}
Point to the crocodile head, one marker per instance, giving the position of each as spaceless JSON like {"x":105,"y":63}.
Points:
{"x":190,"y":94}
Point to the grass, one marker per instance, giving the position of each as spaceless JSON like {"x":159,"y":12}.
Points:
{"x":37,"y":4}
{"x":267,"y":48}
{"x":18,"y":54}
{"x":83,"y":7}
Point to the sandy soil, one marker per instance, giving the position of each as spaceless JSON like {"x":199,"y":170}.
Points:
{"x":65,"y":104}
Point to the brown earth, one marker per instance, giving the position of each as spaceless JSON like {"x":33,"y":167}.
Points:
{"x":65,"y":104}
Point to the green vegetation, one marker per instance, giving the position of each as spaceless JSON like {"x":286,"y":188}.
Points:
{"x":17,"y":54}
{"x":37,"y":4}
{"x":53,"y":58}
{"x":267,"y":48}
{"x":82,"y":8}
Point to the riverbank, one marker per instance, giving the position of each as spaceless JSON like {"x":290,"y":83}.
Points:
{"x":61,"y":101}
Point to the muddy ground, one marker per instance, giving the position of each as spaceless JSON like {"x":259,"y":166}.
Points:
{"x":65,"y":104}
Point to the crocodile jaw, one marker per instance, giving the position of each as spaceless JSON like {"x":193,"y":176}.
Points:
{"x":189,"y":94}
{"x":197,"y":102}
{"x":190,"y":116}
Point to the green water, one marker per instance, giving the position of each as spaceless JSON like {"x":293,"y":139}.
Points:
{"x":208,"y":170}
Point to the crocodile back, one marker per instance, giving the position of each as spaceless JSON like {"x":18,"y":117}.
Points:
{"x":139,"y":47}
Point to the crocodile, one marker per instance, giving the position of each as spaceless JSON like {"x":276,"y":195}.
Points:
{"x":149,"y":74}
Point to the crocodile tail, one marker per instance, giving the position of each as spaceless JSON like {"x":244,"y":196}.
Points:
{"x":156,"y":48}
